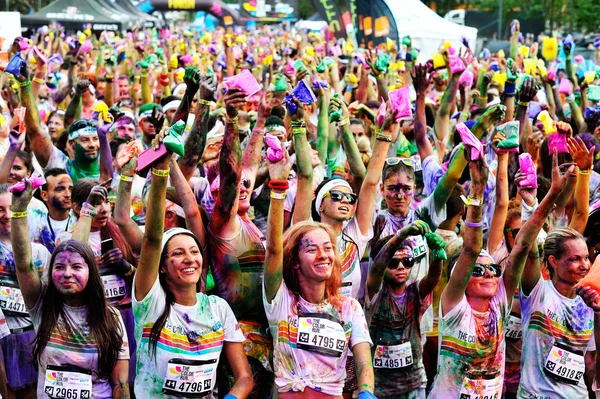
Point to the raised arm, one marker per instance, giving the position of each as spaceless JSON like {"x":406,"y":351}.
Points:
{"x":16,"y":142}
{"x":73,"y":111}
{"x":357,"y":167}
{"x":97,"y":196}
{"x":368,"y":190}
{"x":106,"y":160}
{"x":584,"y":159}
{"x":223,"y":219}
{"x":304,"y":190}
{"x":442,"y":118}
{"x":122,"y":214}
{"x":252,"y":153}
{"x":501,"y":207}
{"x":386,"y":253}
{"x":193,"y":218}
{"x":461,"y":273}
{"x":274,"y":256}
{"x":528,"y":233}
{"x":149,"y":263}
{"x":196,"y":141}
{"x":421,"y":83}
{"x":40,"y":140}
{"x":27,"y":274}
{"x":191,"y":78}
{"x":323,"y":124}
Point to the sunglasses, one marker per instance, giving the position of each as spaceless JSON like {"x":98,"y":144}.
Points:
{"x":246,"y":183}
{"x":82,"y":123}
{"x":514,"y":232}
{"x":396,"y":160}
{"x":338,"y":196}
{"x":479,"y":269}
{"x":407,"y":262}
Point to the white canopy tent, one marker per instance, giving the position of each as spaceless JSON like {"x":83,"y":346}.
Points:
{"x":427,"y":29}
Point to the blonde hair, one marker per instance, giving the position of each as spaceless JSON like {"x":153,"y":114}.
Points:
{"x":555,"y":244}
{"x":291,"y":249}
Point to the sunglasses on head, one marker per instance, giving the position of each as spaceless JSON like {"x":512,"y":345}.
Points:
{"x":337,"y":196}
{"x":396,"y":160}
{"x":407,"y":262}
{"x":479,"y":269}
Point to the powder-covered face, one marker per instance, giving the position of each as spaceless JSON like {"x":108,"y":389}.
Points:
{"x":574,"y":263}
{"x":5,"y":214}
{"x":58,"y":194}
{"x":316,"y":256}
{"x":398,"y":191}
{"x":18,"y":171}
{"x":485,"y":286}
{"x":398,"y":276}
{"x":87,"y":147}
{"x":338,"y":210}
{"x":70,"y":273}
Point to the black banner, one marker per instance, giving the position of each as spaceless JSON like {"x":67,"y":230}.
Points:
{"x":331,"y":13}
{"x":374,"y":23}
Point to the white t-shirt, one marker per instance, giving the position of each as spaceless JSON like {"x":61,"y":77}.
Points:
{"x":313,"y":341}
{"x":11,"y":299}
{"x":552,"y":325}
{"x":94,"y":241}
{"x":191,"y":335}
{"x":77,"y":350}
{"x":351,"y":246}
{"x":471,"y":350}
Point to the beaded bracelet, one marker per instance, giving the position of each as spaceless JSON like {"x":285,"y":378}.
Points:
{"x":18,"y":215}
{"x":127,"y":178}
{"x":474,"y":224}
{"x":161,"y":172}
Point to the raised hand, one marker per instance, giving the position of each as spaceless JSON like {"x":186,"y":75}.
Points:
{"x":264,"y":105}
{"x":299,"y":114}
{"x":492,"y":116}
{"x":583,"y":158}
{"x":559,"y":180}
{"x":16,"y":139}
{"x":498,"y":137}
{"x":280,"y":170}
{"x":20,"y":200}
{"x":336,"y":104}
{"x":416,"y":228}
{"x":437,"y":245}
{"x":157,"y":118}
{"x":234,"y":100}
{"x":420,"y":79}
{"x":98,"y":194}
{"x":590,"y":296}
{"x":82,"y":85}
{"x":208,"y":88}
{"x":528,"y":90}
{"x":528,"y":194}
{"x":191,"y":78}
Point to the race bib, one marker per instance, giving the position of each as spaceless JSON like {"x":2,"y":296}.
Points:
{"x":481,"y":388}
{"x":346,"y":288}
{"x":114,"y":286}
{"x":419,"y":247}
{"x":565,"y":365}
{"x":393,"y":356}
{"x":321,"y":333}
{"x":68,"y":382}
{"x":513,"y":328}
{"x":11,"y":301}
{"x":189,"y":378}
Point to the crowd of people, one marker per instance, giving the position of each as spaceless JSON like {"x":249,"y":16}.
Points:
{"x":272,"y":213}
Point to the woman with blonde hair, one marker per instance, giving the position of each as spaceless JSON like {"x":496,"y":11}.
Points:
{"x":314,"y":327}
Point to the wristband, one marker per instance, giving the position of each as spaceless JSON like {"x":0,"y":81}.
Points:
{"x":278,"y":196}
{"x":523,"y":103}
{"x":383,"y":137}
{"x":464,"y":114}
{"x":18,"y":215}
{"x":24,"y":84}
{"x":333,"y":65}
{"x":483,"y":98}
{"x":299,"y":130}
{"x":204,"y":102}
{"x":126,"y":178}
{"x":144,"y":75}
{"x":88,"y":210}
{"x":584,"y":171}
{"x":570,"y":98}
{"x":344,"y":122}
{"x":38,"y":80}
{"x":230,"y":396}
{"x":279,"y":184}
{"x":510,"y":88}
{"x":301,"y":124}
{"x":160,"y":172}
{"x":130,"y":272}
{"x":471,"y":201}
{"x":474,"y":224}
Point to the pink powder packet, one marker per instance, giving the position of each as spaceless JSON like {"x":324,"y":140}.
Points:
{"x":336,"y":50}
{"x":381,"y":114}
{"x":469,"y":140}
{"x":274,"y":151}
{"x":244,"y":81}
{"x":85,"y":47}
{"x":552,"y":73}
{"x":456,"y":64}
{"x":565,"y":86}
{"x":579,"y":59}
{"x":400,"y":102}
{"x":20,"y":117}
{"x":527,"y":166}
{"x":40,"y":55}
{"x":36,"y":182}
{"x":558,"y":141}
{"x":466,"y":79}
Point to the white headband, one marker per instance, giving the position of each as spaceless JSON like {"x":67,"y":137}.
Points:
{"x":87,"y":131}
{"x":328,"y":187}
{"x":173,"y":232}
{"x":170,"y":105}
{"x":482,"y":254}
{"x":216,"y":131}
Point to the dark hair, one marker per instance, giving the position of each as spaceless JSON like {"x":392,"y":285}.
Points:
{"x":62,"y":140}
{"x":117,"y":142}
{"x":372,"y":104}
{"x":355,"y":121}
{"x":455,"y":204}
{"x":278,"y":111}
{"x":168,"y":99}
{"x":52,"y":172}
{"x":26,"y":158}
{"x":546,"y":159}
{"x":102,"y":319}
{"x":315,"y":212}
{"x":274,"y":120}
{"x":169,"y":298}
{"x":400,"y":167}
{"x":81,"y":190}
{"x":58,"y":112}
